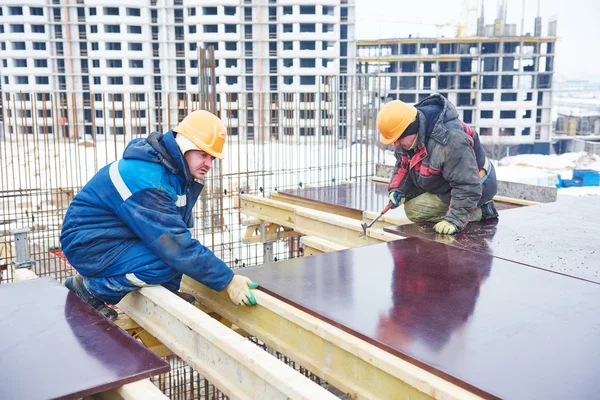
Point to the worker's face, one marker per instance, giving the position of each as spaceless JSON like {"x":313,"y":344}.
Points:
{"x":199,"y":163}
{"x":406,"y":142}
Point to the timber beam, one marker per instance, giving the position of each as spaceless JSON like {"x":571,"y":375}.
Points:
{"x":338,"y":229}
{"x":315,"y":245}
{"x":231,"y":362}
{"x":350,"y":364}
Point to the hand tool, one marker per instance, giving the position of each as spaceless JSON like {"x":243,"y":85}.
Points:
{"x":365,"y":226}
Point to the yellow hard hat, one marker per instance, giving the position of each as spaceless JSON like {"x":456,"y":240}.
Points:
{"x":205,"y":130}
{"x":393,"y":119}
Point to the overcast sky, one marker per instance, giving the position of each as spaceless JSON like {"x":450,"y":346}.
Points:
{"x":577,"y":50}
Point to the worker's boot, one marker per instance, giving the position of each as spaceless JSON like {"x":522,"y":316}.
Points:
{"x":186,"y":296}
{"x":75,"y":285}
{"x":488,"y":210}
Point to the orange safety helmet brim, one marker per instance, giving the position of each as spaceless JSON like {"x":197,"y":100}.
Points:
{"x":393,"y":119}
{"x":205,"y":130}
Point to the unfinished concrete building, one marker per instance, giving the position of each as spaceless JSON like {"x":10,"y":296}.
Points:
{"x":500,"y":82}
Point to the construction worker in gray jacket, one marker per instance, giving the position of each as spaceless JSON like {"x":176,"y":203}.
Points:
{"x":442,"y":174}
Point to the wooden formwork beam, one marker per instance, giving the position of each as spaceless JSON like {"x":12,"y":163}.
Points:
{"x":231,"y":362}
{"x":315,"y":245}
{"x":140,"y":390}
{"x":350,"y":364}
{"x":335,"y":228}
{"x":273,"y":232}
{"x":314,"y":205}
{"x":277,"y":212}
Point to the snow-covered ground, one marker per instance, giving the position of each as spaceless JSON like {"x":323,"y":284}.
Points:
{"x":543,"y":170}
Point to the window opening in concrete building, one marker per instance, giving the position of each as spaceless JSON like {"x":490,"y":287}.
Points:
{"x":308,"y":10}
{"x":468,"y":116}
{"x":528,"y":64}
{"x":446,"y":82}
{"x":526,"y":131}
{"x":507,"y":131}
{"x":510,"y":64}
{"x":487,"y":97}
{"x":464,"y":82}
{"x":489,"y":48}
{"x":409,"y":48}
{"x":486,"y":114}
{"x":485,"y":131}
{"x":512,"y":47}
{"x":508,"y":97}
{"x":463,"y":99}
{"x":114,"y":63}
{"x":506,"y":114}
{"x":308,"y":45}
{"x":448,"y":48}
{"x":408,"y":67}
{"x":15,"y":10}
{"x":489,"y":64}
{"x":230,"y":10}
{"x":447,"y":66}
{"x":543,"y":81}
{"x":133,"y":12}
{"x":111,"y":10}
{"x":428,"y":49}
{"x":508,"y":82}
{"x":307,"y":63}
{"x":308,"y":28}
{"x":429,"y":66}
{"x":489,"y":82}
{"x":328,"y":10}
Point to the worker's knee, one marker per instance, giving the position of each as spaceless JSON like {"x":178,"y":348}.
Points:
{"x":426,"y":207}
{"x":109,"y":289}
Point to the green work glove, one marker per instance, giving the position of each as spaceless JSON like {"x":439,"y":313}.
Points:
{"x":239,"y":291}
{"x":396,"y":198}
{"x":445,"y":228}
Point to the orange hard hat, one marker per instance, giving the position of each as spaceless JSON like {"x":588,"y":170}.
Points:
{"x":393,"y":119}
{"x":205,"y":130}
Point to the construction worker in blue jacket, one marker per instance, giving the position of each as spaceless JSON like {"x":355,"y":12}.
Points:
{"x":129,"y":225}
{"x":442,"y":174}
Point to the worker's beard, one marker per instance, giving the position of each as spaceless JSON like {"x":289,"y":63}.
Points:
{"x":415,"y":143}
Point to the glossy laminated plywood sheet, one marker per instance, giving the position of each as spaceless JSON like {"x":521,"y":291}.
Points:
{"x":560,"y":237}
{"x":360,"y":196}
{"x":54,"y":345}
{"x":497,"y":328}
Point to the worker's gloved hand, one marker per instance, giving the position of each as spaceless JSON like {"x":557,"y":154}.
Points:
{"x":239,"y":291}
{"x":445,"y":228}
{"x":396,"y":198}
